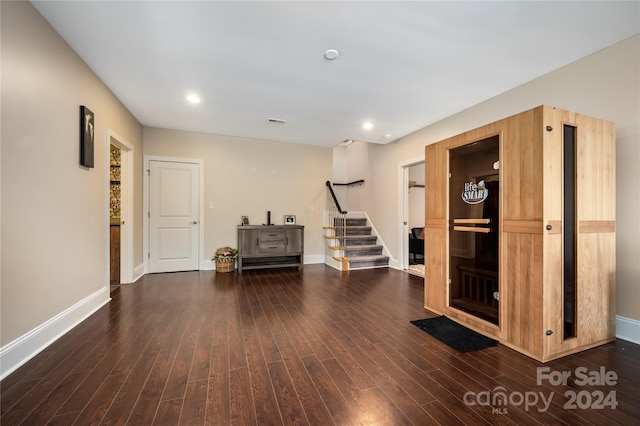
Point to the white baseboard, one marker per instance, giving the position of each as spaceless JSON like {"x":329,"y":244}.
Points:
{"x":138,"y":272}
{"x":21,"y":350}
{"x":312,"y":259}
{"x":208,"y":265}
{"x":628,"y":329}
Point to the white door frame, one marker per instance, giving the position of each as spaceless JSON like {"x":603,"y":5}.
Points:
{"x":145,"y":207}
{"x":126,"y":207}
{"x":403,"y":210}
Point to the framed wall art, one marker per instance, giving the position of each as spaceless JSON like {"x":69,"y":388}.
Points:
{"x":86,"y":136}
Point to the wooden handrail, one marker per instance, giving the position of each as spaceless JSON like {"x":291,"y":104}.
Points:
{"x":350,"y":183}
{"x":335,"y":200}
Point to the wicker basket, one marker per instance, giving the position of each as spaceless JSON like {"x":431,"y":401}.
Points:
{"x":226,"y":265}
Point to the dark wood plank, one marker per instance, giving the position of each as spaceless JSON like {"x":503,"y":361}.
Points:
{"x":107,"y":392}
{"x":121,"y":408}
{"x":168,"y":412}
{"x":264,"y":399}
{"x":242,"y":411}
{"x":348,"y":361}
{"x":179,"y":376}
{"x":147,"y":403}
{"x":290,"y":347}
{"x":336,"y":404}
{"x":311,"y":401}
{"x":290,"y":407}
{"x":102,"y":367}
{"x":195,"y":403}
{"x":441,"y":414}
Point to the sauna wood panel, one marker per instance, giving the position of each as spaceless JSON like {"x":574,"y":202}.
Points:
{"x":435,"y":256}
{"x":596,"y":170}
{"x":522,"y":170}
{"x":551,"y":186}
{"x":436,"y":176}
{"x":596,"y":275}
{"x":521,"y":297}
{"x":552,"y":298}
{"x":435,"y":232}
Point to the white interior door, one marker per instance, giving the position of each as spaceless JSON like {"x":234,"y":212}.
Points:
{"x":173,"y":216}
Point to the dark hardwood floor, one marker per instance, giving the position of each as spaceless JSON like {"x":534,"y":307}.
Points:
{"x":316,"y":347}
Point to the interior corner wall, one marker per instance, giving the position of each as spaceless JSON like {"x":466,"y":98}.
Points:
{"x":248,"y":177}
{"x":354,"y":166}
{"x":54,"y":221}
{"x":340,"y":175}
{"x":605,"y":85}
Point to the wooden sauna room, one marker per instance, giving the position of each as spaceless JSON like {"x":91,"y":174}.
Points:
{"x":520,"y":231}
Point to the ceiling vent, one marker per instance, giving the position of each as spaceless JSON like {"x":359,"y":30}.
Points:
{"x":276,"y":120}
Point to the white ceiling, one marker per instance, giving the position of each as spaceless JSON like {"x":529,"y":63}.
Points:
{"x":402,"y":65}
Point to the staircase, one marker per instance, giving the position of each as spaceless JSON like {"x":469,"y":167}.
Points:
{"x":356,"y":243}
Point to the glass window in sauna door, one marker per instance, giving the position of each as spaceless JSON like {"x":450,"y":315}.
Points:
{"x":474,"y":194}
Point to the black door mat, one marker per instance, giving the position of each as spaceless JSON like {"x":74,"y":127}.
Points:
{"x":453,"y":334}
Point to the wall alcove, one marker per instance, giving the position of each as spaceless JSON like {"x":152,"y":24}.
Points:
{"x":520,"y":231}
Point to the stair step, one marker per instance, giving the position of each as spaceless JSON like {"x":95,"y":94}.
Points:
{"x":354,"y":230}
{"x":350,"y":221}
{"x":358,"y":240}
{"x":368,"y":261}
{"x":363,"y":250}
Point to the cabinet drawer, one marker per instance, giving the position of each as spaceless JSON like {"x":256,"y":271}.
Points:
{"x":272,"y":246}
{"x":271,"y":236}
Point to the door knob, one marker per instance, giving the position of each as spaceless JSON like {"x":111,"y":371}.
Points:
{"x":195,"y":222}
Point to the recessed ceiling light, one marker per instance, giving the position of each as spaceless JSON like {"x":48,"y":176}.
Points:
{"x":387,"y":136}
{"x":331,"y":54}
{"x":368,"y":125}
{"x":194,"y":99}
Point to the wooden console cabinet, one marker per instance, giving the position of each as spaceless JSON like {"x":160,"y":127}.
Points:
{"x":276,"y":246}
{"x":552,"y":289}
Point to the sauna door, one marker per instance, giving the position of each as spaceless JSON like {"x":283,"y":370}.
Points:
{"x":474,"y":194}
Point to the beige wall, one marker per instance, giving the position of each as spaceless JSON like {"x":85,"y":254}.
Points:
{"x":53,"y":210}
{"x":351,"y":164}
{"x":248,"y":177}
{"x":604,"y":85}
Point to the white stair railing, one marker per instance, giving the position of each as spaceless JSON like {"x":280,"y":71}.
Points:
{"x":337,"y":223}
